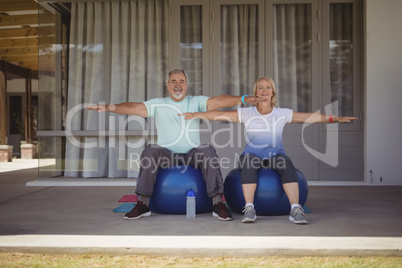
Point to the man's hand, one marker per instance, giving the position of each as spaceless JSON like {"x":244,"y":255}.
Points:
{"x":101,"y":108}
{"x":255,"y":100}
{"x":223,"y":101}
{"x":188,"y":115}
{"x":130,"y":108}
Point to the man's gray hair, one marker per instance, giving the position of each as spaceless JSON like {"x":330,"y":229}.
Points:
{"x":176,"y":71}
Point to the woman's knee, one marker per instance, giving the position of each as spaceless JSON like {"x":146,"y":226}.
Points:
{"x":282,"y":162}
{"x":250,"y":161}
{"x":284,"y":166}
{"x":249,"y":165}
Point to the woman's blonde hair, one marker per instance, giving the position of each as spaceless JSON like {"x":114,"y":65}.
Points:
{"x":274,"y":101}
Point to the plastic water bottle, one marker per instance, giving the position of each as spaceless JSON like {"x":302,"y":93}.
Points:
{"x":190,"y":204}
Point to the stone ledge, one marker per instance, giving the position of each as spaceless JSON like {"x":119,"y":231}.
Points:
{"x":28,"y":151}
{"x":6,"y":153}
{"x":203,"y":246}
{"x":82,"y":182}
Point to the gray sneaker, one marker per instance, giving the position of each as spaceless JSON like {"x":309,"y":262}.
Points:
{"x":249,"y":214}
{"x":297,"y":216}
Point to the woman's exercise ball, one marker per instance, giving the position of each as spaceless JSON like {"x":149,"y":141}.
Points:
{"x":270,"y":198}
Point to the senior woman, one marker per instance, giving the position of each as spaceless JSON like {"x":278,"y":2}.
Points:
{"x":264,"y":125}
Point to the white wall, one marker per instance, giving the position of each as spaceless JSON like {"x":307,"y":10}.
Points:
{"x":383,"y":80}
{"x":18,"y":85}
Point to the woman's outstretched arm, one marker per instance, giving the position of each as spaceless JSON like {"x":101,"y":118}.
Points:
{"x":320,"y":118}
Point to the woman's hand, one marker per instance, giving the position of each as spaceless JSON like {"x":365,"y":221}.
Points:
{"x":344,"y":119}
{"x":311,"y":118}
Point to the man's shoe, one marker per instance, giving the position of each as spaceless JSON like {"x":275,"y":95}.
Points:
{"x":297,"y":215}
{"x":249,"y":214}
{"x":221,"y":212}
{"x":140,"y":210}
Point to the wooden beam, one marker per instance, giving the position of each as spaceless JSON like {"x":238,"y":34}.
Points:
{"x":27,"y":32}
{"x":7,"y":67}
{"x":3,"y":108}
{"x":31,"y":61}
{"x":18,"y":20}
{"x":18,"y":42}
{"x":31,"y":19}
{"x":10,"y":5}
{"x":30,"y":65}
{"x":21,"y":58}
{"x":19,"y":1}
{"x":34,"y":74}
{"x":4,"y":52}
{"x":23,"y":71}
{"x":19,"y":32}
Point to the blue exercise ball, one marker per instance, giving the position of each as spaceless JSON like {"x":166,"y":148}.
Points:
{"x":270,"y":199}
{"x":170,"y":189}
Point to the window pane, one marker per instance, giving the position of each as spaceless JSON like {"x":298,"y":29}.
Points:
{"x":292,"y":55}
{"x":117,"y":51}
{"x":51,"y":91}
{"x":191,"y":46}
{"x":341,"y":56}
{"x":239,"y":49}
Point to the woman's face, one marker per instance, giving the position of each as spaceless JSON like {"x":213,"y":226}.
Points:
{"x":264,"y":90}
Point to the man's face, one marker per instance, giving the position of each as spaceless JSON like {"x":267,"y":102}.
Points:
{"x":177,"y":86}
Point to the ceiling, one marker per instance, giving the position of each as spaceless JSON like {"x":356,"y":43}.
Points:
{"x":19,"y":35}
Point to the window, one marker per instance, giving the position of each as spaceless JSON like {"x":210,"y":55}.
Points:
{"x":122,"y":50}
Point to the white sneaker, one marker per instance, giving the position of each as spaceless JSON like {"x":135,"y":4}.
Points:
{"x":249,"y":214}
{"x":297,"y":215}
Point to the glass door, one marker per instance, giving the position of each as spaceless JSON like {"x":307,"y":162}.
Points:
{"x":238,"y":60}
{"x":292,"y":39}
{"x":190,"y":43}
{"x":341,"y":40}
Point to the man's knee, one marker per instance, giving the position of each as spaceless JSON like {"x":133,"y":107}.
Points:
{"x":151,"y":150}
{"x":207,"y":150}
{"x":154,"y":155}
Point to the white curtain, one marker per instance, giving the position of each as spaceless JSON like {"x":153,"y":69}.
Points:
{"x":341,"y":56}
{"x":292,"y":55}
{"x":191,"y":46}
{"x":239,"y":48}
{"x":118,"y":53}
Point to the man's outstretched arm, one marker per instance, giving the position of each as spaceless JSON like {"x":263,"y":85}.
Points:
{"x":223,"y":101}
{"x":131,"y":108}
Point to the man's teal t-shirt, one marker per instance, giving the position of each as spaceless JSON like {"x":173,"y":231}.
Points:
{"x":175,"y":133}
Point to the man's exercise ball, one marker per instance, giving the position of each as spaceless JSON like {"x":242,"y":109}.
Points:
{"x":171,"y":186}
{"x":270,"y":198}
